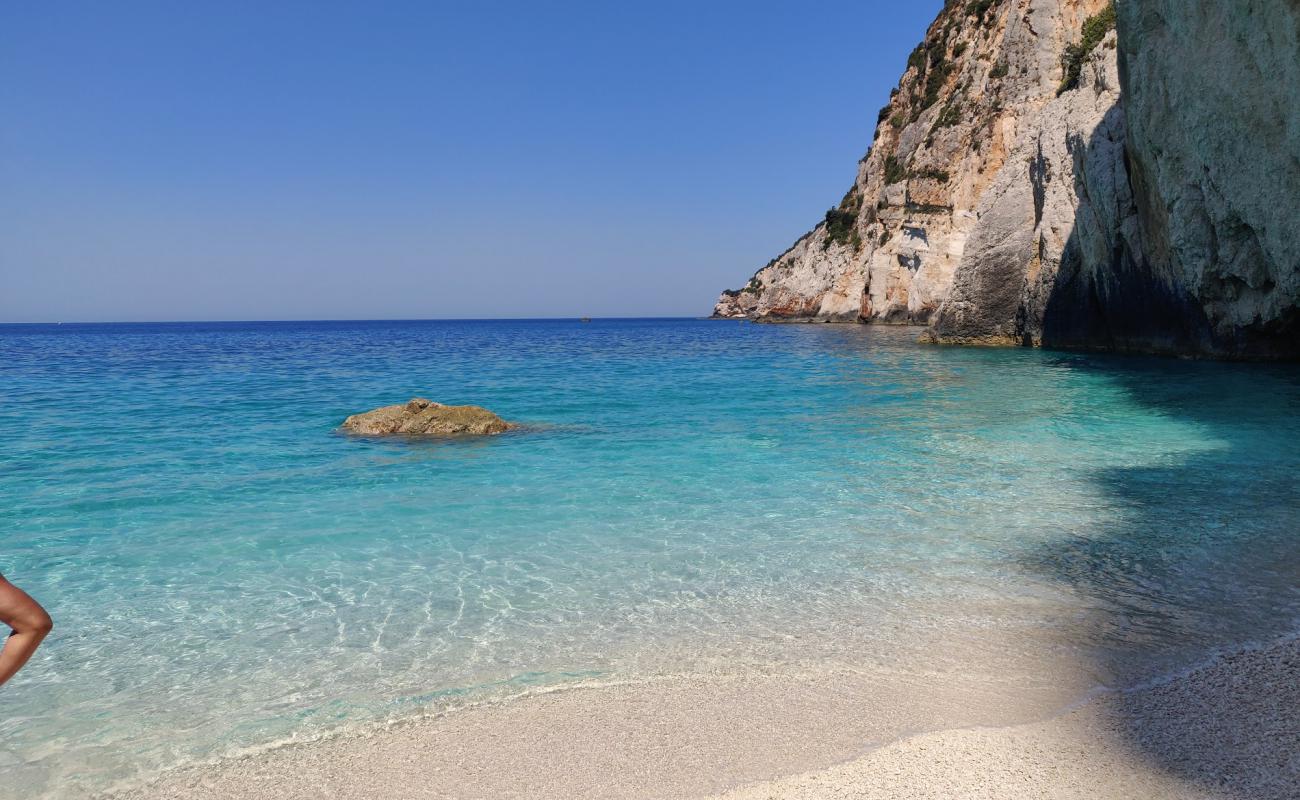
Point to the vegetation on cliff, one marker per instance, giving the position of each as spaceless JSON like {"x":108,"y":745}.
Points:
{"x":842,"y":222}
{"x":1095,"y":29}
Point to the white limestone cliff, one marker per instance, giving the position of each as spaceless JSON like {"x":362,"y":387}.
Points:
{"x":889,"y":251}
{"x":1074,"y":174}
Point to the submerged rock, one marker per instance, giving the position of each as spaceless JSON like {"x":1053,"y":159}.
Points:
{"x":421,"y":417}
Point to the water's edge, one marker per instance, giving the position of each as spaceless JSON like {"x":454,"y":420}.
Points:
{"x":415,"y":724}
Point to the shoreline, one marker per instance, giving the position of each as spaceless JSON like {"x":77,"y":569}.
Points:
{"x":836,"y":734}
{"x":1223,"y":729}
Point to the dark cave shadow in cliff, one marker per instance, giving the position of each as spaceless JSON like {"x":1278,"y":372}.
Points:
{"x":1129,"y":304}
{"x":1207,"y":554}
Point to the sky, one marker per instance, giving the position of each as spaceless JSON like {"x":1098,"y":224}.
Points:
{"x":411,"y":160}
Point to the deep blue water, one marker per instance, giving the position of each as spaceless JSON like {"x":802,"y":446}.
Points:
{"x":227,"y":570}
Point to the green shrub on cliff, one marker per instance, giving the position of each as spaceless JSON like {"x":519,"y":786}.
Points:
{"x":917,"y":59}
{"x":842,"y":222}
{"x":950,"y":116}
{"x":932,"y":173}
{"x":840,"y":226}
{"x":935,"y":78}
{"x":1095,"y":29}
{"x":978,"y":8}
{"x":894,"y":170}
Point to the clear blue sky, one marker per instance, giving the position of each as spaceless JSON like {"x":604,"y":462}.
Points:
{"x":293,"y":160}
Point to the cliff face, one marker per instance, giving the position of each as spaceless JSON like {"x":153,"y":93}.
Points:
{"x":1121,"y":177}
{"x":1179,"y":205}
{"x":1212,"y":264}
{"x":984,"y":75}
{"x":1061,"y":200}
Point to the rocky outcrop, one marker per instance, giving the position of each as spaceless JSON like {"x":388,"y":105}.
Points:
{"x":1075,"y":174}
{"x":420,"y":417}
{"x":1180,"y":204}
{"x":984,"y":74}
{"x":1061,"y":198}
{"x":1212,"y":101}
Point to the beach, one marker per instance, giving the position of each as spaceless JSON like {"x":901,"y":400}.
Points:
{"x":710,"y":556}
{"x":366,"y":431}
{"x":1224,"y":729}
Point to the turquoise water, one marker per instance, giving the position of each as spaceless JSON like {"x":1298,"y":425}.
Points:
{"x":226,"y":570}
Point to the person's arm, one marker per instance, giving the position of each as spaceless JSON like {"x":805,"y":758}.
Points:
{"x":30,"y":625}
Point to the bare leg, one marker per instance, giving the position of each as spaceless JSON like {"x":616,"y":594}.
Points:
{"x":30,"y":624}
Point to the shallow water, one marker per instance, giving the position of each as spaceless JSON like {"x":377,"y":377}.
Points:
{"x":225,"y":570}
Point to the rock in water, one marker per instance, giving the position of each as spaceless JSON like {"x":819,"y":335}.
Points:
{"x":421,"y":417}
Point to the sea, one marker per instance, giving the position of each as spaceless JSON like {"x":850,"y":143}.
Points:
{"x":228,"y":571}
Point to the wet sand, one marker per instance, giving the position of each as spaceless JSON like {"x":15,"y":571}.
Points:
{"x":1228,"y":729}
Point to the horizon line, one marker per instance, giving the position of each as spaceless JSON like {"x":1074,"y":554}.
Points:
{"x":351,"y":319}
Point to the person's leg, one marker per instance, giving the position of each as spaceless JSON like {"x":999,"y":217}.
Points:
{"x":30,"y":624}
